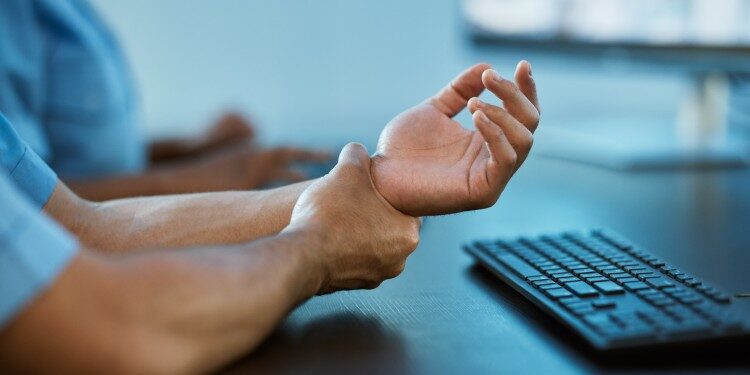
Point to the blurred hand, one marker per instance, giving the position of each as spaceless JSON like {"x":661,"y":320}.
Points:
{"x":428,"y":164}
{"x":230,"y":128}
{"x":243,"y":167}
{"x":364,"y":239}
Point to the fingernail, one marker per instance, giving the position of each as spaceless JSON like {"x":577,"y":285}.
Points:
{"x":529,"y":64}
{"x":483,"y":117}
{"x":474,"y":102}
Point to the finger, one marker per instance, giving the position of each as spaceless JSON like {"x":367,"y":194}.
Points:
{"x":518,"y":135}
{"x":514,"y":100}
{"x":453,"y":98}
{"x":502,"y":156}
{"x":526,"y":84}
{"x":354,"y":154}
{"x":232,"y":126}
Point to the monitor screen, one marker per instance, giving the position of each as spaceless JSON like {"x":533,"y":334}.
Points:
{"x":721,"y":24}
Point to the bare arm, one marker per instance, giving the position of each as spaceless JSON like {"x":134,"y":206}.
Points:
{"x":236,"y":167}
{"x":195,"y":310}
{"x":175,"y":221}
{"x":164,"y":312}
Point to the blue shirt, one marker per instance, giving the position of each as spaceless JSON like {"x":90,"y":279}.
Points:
{"x":33,"y":248}
{"x":66,"y":88}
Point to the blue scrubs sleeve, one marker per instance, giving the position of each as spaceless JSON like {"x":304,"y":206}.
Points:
{"x":33,"y":250}
{"x":28,"y":172}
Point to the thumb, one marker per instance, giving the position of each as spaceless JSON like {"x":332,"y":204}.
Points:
{"x":354,"y":154}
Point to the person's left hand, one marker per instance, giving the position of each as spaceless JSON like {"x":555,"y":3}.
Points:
{"x":242,"y":167}
{"x":428,"y":164}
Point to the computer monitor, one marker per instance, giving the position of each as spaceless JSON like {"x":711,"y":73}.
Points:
{"x":707,"y":40}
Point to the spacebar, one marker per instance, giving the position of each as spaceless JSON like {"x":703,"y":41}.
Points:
{"x":518,"y":265}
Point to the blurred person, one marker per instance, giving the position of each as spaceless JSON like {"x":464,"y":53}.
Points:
{"x":66,"y":87}
{"x":85,"y":288}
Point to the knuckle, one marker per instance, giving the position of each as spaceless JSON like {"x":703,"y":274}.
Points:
{"x":396,"y":270}
{"x":409,"y":239}
{"x":372,"y":284}
{"x":534,"y":119}
{"x":528,"y":141}
{"x":488,"y":201}
{"x":508,"y":159}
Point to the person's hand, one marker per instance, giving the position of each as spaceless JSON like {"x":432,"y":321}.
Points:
{"x":363,"y":239}
{"x":243,"y":167}
{"x":428,"y":164}
{"x":230,"y":128}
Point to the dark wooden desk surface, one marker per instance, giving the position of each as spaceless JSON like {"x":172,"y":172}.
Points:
{"x":446,"y":315}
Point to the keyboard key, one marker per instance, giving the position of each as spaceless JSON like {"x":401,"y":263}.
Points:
{"x":596,"y":279}
{"x":638,"y":273}
{"x":549,"y":286}
{"x":659,"y":282}
{"x":582,"y":289}
{"x":568,"y":279}
{"x":647,"y":292}
{"x":603,"y":303}
{"x":636,"y":285}
{"x":577,"y":267}
{"x":557,"y":293}
{"x":608,"y":287}
{"x":634,"y":268}
{"x":627,"y":280}
{"x":518,"y":266}
{"x":583,"y":271}
{"x":598,"y":320}
{"x":563,"y":275}
{"x":543,"y":282}
{"x":537,"y":278}
{"x":618,"y":276}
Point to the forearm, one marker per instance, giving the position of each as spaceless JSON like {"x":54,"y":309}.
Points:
{"x":187,"y":311}
{"x":175,"y":221}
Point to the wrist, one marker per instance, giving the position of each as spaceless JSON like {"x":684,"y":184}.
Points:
{"x":306,"y":252}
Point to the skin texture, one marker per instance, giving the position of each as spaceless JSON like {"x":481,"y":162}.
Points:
{"x":174,"y":221}
{"x":224,"y":158}
{"x":194,"y":310}
{"x":428,"y":164}
{"x":187,"y":283}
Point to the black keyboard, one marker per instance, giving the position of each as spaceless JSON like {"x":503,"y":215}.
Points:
{"x":612,"y":293}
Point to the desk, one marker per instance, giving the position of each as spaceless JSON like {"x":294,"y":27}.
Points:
{"x":337,"y":71}
{"x":446,"y":315}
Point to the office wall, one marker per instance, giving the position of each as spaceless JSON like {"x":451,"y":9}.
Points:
{"x":328,"y":71}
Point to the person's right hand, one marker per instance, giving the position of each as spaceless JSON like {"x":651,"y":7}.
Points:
{"x":363,"y":240}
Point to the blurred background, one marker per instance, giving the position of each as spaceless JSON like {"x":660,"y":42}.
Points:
{"x":331,"y":71}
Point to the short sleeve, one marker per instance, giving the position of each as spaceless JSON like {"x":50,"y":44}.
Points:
{"x":22,"y":70}
{"x":30,"y":174}
{"x":33,"y":250}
